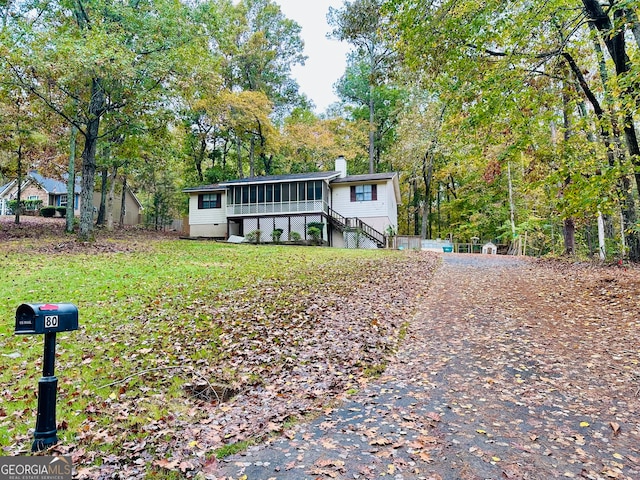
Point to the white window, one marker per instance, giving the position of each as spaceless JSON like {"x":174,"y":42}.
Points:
{"x":364,"y":193}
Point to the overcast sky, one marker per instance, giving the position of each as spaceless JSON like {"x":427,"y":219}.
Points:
{"x":326,"y":58}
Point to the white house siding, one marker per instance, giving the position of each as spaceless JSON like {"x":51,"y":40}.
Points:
{"x":337,"y":239}
{"x":379,"y":223}
{"x":207,"y":222}
{"x":218,"y":230}
{"x":379,"y":213}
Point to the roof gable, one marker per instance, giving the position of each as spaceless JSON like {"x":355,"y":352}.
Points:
{"x":5,"y":187}
{"x":52,"y":186}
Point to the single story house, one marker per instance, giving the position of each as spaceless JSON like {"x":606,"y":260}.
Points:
{"x":53,"y":193}
{"x":353,"y":210}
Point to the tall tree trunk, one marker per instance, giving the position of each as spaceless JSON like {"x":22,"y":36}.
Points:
{"x":416,"y":204}
{"x":614,"y":39}
{"x":110,"y":197}
{"x":512,"y":206}
{"x":623,"y":242}
{"x":427,"y":176}
{"x":225,"y":153}
{"x":123,"y":201}
{"x":439,"y":223}
{"x":239,"y":157}
{"x":634,"y":24}
{"x":569,"y":230}
{"x":430,"y":216}
{"x":198,"y":162}
{"x":602,"y":246}
{"x":19,"y":195}
{"x":608,"y":100}
{"x":625,"y":194}
{"x":71,"y":181}
{"x":252,"y":159}
{"x":371,"y":130}
{"x":266,"y":159}
{"x":96,"y":109}
{"x":103,"y":197}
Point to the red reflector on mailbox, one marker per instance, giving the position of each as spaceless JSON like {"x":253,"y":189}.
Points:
{"x":49,"y":307}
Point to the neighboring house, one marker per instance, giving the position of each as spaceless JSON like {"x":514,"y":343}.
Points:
{"x":4,"y":209}
{"x":54,"y":193}
{"x":36,"y":187}
{"x":132,"y":207}
{"x":355,"y":210}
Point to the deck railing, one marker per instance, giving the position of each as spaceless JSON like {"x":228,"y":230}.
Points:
{"x":354,"y":223}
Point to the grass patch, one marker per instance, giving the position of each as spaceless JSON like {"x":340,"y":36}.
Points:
{"x":375,"y":370}
{"x":163,"y":322}
{"x":404,"y":330}
{"x":232,"y":449}
{"x":138,"y":309}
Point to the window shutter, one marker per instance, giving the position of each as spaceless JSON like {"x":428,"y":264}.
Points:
{"x":200,"y":201}
{"x":218,"y":203}
{"x":353,"y":193}
{"x":374,"y":192}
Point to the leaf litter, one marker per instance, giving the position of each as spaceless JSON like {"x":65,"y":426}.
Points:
{"x":286,"y":349}
{"x":513,"y":368}
{"x":541,"y":357}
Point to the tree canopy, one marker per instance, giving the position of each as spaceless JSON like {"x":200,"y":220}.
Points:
{"x":503,"y":120}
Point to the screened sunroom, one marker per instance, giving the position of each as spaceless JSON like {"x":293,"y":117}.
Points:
{"x":304,"y":196}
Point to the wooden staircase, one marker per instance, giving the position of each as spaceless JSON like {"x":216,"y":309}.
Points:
{"x":344,"y":224}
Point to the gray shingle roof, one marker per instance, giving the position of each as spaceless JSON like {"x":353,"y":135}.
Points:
{"x":205,"y":188}
{"x":331,"y":176}
{"x":267,"y":179}
{"x":53,"y":186}
{"x":282,"y":178}
{"x":368,"y":177}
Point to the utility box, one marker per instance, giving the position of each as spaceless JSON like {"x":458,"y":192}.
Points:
{"x":40,"y":318}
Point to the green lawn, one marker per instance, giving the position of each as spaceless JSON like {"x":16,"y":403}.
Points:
{"x":144,"y":309}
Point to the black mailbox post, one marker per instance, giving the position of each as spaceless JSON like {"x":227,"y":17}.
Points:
{"x":47,"y":319}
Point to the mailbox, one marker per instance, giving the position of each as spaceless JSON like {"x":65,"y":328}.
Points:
{"x":46,"y":318}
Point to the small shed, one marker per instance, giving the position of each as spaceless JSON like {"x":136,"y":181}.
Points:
{"x":489,"y":249}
